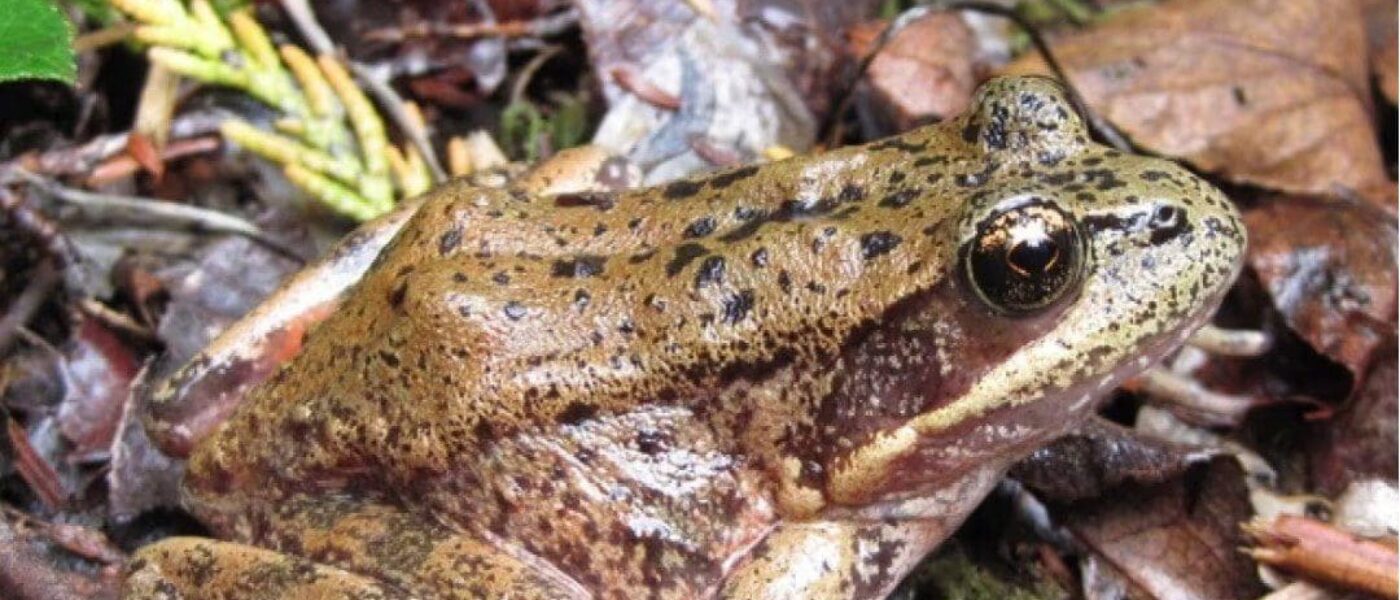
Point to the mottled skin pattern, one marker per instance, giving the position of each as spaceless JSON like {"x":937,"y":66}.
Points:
{"x":776,"y":381}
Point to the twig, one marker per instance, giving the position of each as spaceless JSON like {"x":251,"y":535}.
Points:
{"x":124,"y":165}
{"x":81,"y":159}
{"x":35,"y":224}
{"x":103,"y":37}
{"x":116,"y":320}
{"x":41,"y":282}
{"x":112,"y":206}
{"x":522,"y":78}
{"x":374,"y":83}
{"x":545,"y":26}
{"x":1099,"y":126}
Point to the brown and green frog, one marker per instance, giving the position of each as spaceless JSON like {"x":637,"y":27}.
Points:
{"x":781,"y":381}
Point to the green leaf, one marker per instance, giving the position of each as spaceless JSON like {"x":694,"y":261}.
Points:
{"x":36,"y":42}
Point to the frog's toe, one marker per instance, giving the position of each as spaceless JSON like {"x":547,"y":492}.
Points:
{"x":182,"y":567}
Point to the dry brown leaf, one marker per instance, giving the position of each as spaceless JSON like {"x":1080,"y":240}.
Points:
{"x":1174,"y":540}
{"x":1359,"y":442}
{"x":1272,"y":93}
{"x":99,"y":368}
{"x":1381,"y":31}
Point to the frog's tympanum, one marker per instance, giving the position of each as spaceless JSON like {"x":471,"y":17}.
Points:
{"x":780,"y":381}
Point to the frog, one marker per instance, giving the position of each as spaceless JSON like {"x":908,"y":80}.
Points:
{"x":788,"y":380}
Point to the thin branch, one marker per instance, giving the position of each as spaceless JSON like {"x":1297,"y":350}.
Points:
{"x":159,"y":212}
{"x":546,"y":26}
{"x":28,"y":302}
{"x":1097,"y":124}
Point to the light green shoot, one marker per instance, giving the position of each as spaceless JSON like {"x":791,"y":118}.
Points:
{"x":330,"y":140}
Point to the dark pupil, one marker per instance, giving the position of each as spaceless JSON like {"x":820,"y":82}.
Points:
{"x":1033,"y":256}
{"x":1024,"y":258}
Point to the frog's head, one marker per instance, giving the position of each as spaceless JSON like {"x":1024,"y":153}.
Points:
{"x":1075,"y":267}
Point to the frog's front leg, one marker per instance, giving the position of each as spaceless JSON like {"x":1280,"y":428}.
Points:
{"x":339,"y":546}
{"x":864,"y":554}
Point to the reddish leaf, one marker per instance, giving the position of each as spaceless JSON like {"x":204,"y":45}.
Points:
{"x":1360,"y":441}
{"x":35,"y":471}
{"x":28,"y":572}
{"x":99,"y":369}
{"x":632,"y":81}
{"x":86,"y":542}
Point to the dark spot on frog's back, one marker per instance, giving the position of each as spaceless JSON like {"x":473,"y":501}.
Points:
{"x":577,"y":412}
{"x":583,"y":265}
{"x":737,"y":306}
{"x":1155,"y":176}
{"x":1107,"y":179}
{"x":450,"y":240}
{"x":700,"y":227}
{"x":397,"y":295}
{"x":685,"y":254}
{"x":899,"y":199}
{"x":603,"y":201}
{"x":878,"y":243}
{"x":711,"y":272}
{"x":899,"y":143}
{"x":724,"y":180}
{"x":680,"y":190}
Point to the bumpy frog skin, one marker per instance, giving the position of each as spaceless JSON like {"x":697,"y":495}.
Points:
{"x":782,"y":381}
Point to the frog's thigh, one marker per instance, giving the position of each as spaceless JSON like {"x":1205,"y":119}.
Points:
{"x":411,"y":552}
{"x":184,"y":567}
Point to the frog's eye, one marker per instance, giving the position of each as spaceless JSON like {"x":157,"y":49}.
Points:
{"x":1024,"y":257}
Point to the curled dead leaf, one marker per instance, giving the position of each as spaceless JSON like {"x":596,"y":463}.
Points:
{"x":1329,"y":266}
{"x":1173,"y":540}
{"x":1271,"y":93}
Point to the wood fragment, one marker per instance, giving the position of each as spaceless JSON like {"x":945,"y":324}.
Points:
{"x":1320,"y":552}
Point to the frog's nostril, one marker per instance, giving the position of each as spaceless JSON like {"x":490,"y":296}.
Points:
{"x":1165,"y":216}
{"x":1167,"y":222}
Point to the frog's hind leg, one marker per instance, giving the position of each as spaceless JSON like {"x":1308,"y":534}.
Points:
{"x":343,"y":547}
{"x":187,"y":567}
{"x":347,"y":544}
{"x":412,"y":551}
